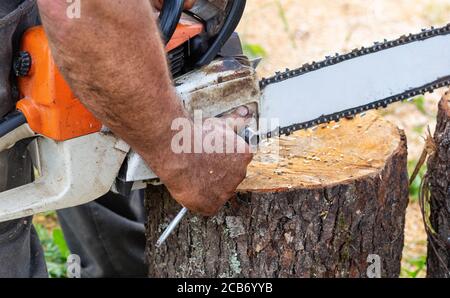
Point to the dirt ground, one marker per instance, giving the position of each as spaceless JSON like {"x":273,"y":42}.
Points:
{"x":289,"y":33}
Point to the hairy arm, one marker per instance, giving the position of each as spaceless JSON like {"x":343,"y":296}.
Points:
{"x":114,"y":61}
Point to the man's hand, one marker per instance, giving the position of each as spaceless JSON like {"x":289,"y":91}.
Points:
{"x":158,"y":4}
{"x":114,"y":60}
{"x":205,"y":182}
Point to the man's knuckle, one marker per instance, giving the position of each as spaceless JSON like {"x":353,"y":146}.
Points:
{"x":226,"y":197}
{"x":248,"y":157}
{"x":208,"y":213}
{"x":244,"y":174}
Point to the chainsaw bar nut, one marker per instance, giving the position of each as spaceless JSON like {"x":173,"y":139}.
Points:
{"x":22,"y":64}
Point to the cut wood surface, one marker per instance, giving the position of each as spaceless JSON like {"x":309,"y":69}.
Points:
{"x":329,"y":199}
{"x":330,"y":155}
{"x":438,"y":262}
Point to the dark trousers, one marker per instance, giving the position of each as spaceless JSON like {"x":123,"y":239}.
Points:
{"x":107,"y":234}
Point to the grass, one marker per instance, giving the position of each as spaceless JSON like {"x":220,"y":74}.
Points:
{"x":419,"y":129}
{"x":416,"y":266}
{"x":254,"y":51}
{"x":284,"y":19}
{"x":413,"y":267}
{"x":419,"y":102}
{"x":55,"y":248}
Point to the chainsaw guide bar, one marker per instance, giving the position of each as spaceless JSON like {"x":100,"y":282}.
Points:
{"x":356,"y":53}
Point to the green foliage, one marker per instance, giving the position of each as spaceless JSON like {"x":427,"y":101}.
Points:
{"x":419,"y":102}
{"x":284,"y":19}
{"x":414,"y":188}
{"x":51,"y":214}
{"x":419,"y":129}
{"x":55,"y":250}
{"x":417,"y":264}
{"x":60,"y":242}
{"x":282,"y":15}
{"x":254,"y":51}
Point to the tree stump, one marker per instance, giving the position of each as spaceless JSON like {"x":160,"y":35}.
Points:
{"x":438,"y":261}
{"x":333,"y":197}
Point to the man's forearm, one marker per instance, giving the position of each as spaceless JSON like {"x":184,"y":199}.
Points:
{"x":114,"y":61}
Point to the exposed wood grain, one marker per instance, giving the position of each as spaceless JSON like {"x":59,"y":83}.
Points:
{"x":330,"y":155}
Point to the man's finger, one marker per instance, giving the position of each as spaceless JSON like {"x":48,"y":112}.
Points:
{"x":158,"y":4}
{"x":239,"y":118}
{"x":188,"y":4}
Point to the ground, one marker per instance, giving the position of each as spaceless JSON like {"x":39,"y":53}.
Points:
{"x":288,"y":33}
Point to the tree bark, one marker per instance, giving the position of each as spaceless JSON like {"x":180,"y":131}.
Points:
{"x":315,"y":205}
{"x":438,"y":261}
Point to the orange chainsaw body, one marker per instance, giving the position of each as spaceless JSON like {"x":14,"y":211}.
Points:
{"x":50,"y":107}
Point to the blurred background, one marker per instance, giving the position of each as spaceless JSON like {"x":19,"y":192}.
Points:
{"x":288,"y":33}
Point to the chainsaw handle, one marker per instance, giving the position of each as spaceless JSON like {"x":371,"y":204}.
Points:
{"x":169,"y":18}
{"x":234,"y":16}
{"x":14,"y":128}
{"x":11,"y":122}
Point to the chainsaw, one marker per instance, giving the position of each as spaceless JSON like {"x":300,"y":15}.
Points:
{"x":77,"y":159}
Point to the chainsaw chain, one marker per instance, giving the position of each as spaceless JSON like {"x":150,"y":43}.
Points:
{"x":332,"y":60}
